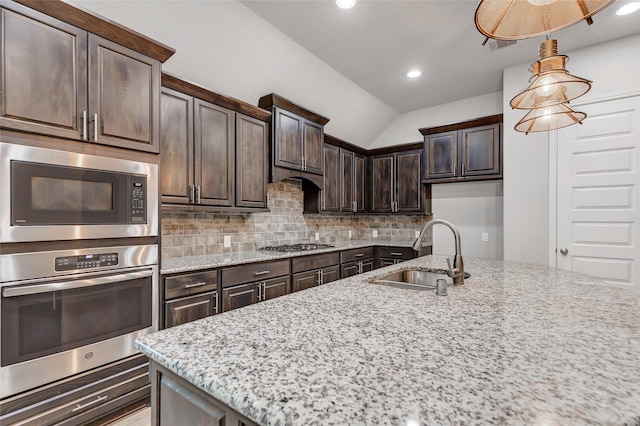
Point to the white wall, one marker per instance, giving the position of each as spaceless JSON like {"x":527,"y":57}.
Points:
{"x":404,"y":128}
{"x":474,"y":207}
{"x":614,"y":68}
{"x":225,"y":47}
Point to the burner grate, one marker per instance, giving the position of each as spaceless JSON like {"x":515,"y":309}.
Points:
{"x":297,"y":247}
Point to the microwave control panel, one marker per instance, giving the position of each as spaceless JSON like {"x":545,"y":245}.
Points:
{"x":138,"y":200}
{"x":86,"y":261}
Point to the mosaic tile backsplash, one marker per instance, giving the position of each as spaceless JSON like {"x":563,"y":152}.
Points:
{"x":187,"y":233}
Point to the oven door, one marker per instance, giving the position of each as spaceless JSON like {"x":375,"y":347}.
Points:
{"x":50,"y":195}
{"x":52,"y":329}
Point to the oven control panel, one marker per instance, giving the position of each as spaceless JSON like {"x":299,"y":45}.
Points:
{"x":86,"y":261}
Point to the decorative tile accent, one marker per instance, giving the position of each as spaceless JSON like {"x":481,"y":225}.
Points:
{"x":187,"y":233}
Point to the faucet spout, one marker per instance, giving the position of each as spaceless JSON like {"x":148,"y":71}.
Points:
{"x":456,"y":271}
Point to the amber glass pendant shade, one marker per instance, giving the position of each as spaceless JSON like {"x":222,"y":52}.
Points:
{"x":520,"y":19}
{"x":550,"y":84}
{"x":549,"y":118}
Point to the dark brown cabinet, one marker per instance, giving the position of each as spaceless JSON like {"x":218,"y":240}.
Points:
{"x":356,"y":261}
{"x":396,"y":183}
{"x":466,"y":152}
{"x":63,"y":81}
{"x":189,"y":297}
{"x":298,"y":142}
{"x":211,"y":156}
{"x":331,"y":190}
{"x":386,"y":255}
{"x":248,"y":284}
{"x":352,"y":184}
{"x":313,"y":270}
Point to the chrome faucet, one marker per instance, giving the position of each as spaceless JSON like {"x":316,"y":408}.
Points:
{"x":456,"y":271}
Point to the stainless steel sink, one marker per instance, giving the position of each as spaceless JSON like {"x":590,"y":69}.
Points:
{"x":413,"y":280}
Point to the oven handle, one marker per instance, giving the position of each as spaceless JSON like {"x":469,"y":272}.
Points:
{"x":67,"y":285}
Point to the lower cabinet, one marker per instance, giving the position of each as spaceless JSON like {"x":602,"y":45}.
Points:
{"x":189,"y":297}
{"x":248,"y":284}
{"x":174,"y":401}
{"x":356,"y":261}
{"x":313,"y":270}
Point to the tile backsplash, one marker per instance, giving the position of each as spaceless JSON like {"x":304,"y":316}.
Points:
{"x":188,"y":233}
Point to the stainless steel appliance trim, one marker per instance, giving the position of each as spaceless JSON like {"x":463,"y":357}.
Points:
{"x":28,"y":266}
{"x":67,"y":285}
{"x":9,"y":233}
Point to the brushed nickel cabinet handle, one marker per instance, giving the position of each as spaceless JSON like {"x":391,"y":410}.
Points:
{"x":359,"y":255}
{"x":198,"y":284}
{"x":85,"y":135}
{"x":197,"y":194}
{"x":395,"y":253}
{"x":83,"y":406}
{"x":192,"y":194}
{"x":262,"y":273}
{"x":260,"y":292}
{"x":215,"y":303}
{"x":190,"y":305}
{"x":95,"y":127}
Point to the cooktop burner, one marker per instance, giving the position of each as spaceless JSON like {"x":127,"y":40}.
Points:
{"x":297,"y":247}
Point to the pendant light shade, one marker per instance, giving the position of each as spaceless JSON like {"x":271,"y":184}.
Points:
{"x":520,"y":19}
{"x":550,"y":84}
{"x":549,"y":118}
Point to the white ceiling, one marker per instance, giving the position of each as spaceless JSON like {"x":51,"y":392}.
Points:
{"x":375,"y":43}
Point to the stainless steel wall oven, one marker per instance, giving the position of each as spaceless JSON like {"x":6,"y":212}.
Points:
{"x":63,"y":312}
{"x":51,"y":195}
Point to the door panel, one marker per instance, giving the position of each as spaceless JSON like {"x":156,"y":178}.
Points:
{"x":251,"y":162}
{"x":288,"y":146}
{"x":480,"y":151}
{"x":239,"y":296}
{"x":330,"y":192}
{"x":347,"y":175}
{"x":275,"y":287}
{"x":305,"y":280}
{"x":313,"y":142}
{"x":441,"y":155}
{"x":598,"y":218}
{"x":409,"y":181}
{"x":382,"y":183}
{"x":359,"y":179}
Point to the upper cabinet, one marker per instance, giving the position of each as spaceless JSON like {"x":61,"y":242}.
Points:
{"x":331,"y":189}
{"x":464,"y":151}
{"x":296,"y":141}
{"x":61,"y":80}
{"x":396,"y":183}
{"x":211,"y":155}
{"x":352,"y":181}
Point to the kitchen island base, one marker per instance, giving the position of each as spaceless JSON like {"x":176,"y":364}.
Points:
{"x":174,"y":401}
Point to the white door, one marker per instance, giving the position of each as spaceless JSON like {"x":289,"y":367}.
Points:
{"x":598,"y":217}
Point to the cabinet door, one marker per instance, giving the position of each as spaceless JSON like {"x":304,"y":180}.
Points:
{"x":480,"y":148}
{"x":124,"y":96}
{"x":330,"y":192}
{"x":382,"y":183}
{"x":214,"y":134}
{"x":43,"y":74}
{"x":288,"y":139}
{"x":275,"y":287}
{"x":239,"y":296}
{"x":358,"y":182}
{"x":252,"y":158}
{"x":367,"y":265}
{"x":176,"y":146}
{"x":305,"y":280}
{"x":349,"y":269}
{"x":386,"y":262}
{"x":313,"y":137}
{"x":346,"y":181}
{"x":180,"y":404}
{"x":187,"y":309}
{"x":409,"y":181}
{"x":441,"y":155}
{"x":331,"y":273}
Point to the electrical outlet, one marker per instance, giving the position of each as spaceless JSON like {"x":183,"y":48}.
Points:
{"x":317,"y":236}
{"x":227,"y":241}
{"x":417,"y":234}
{"x":349,"y":233}
{"x":375,"y":233}
{"x":485,"y":236}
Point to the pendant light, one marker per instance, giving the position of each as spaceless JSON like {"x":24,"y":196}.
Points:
{"x":520,"y":19}
{"x":549,"y":118}
{"x":551,"y":83}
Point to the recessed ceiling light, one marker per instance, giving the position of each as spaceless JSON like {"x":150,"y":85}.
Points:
{"x":346,"y":4}
{"x":628,"y":8}
{"x":414,"y":74}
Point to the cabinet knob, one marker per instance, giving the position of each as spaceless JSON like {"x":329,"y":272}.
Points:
{"x":564,"y":251}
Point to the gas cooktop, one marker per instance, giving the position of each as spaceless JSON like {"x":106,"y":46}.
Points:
{"x":297,"y":247}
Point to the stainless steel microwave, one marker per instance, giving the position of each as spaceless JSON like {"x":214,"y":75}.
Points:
{"x":50,"y":195}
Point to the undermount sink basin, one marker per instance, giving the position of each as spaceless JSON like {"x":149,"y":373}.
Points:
{"x":414,"y":279}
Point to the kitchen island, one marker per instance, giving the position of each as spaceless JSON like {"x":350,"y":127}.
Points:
{"x":517,"y":344}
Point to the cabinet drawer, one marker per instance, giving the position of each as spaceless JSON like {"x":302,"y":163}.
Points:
{"x":356,"y":254}
{"x":314,"y":261}
{"x":396,"y":252}
{"x":188,"y":284}
{"x":254,"y":272}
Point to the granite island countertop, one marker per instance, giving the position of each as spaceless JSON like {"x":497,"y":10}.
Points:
{"x":195,"y":263}
{"x":517,"y":344}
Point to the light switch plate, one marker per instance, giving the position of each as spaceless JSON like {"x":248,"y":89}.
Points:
{"x":227,"y":240}
{"x":349,"y":233}
{"x":417,"y":234}
{"x":375,"y":233}
{"x":317,"y":236}
{"x":485,"y":236}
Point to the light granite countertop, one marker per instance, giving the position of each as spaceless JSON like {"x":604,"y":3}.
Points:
{"x":517,"y":344}
{"x":194,"y":263}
